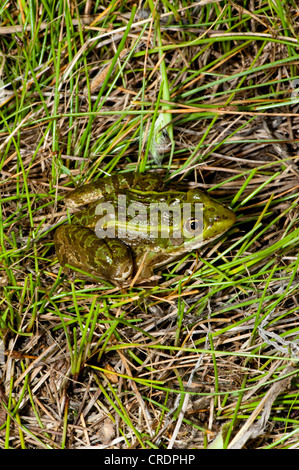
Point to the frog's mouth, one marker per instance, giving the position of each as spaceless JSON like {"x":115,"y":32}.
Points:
{"x":219,"y":224}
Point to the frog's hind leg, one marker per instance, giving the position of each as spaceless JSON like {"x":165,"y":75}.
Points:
{"x":79,"y":247}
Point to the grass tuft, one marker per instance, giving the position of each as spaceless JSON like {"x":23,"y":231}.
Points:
{"x":207,"y":94}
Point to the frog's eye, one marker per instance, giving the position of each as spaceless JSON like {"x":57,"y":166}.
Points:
{"x":193,"y":227}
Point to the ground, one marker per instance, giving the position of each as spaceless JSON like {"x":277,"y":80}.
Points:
{"x":210,"y":349}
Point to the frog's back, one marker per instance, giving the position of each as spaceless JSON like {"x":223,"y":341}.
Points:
{"x":114,"y":184}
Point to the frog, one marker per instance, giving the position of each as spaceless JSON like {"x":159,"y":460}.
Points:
{"x":127,"y":225}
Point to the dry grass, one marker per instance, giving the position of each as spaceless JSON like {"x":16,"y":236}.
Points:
{"x":215,"y":341}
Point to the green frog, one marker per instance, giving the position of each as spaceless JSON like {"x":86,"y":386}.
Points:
{"x":130,"y":226}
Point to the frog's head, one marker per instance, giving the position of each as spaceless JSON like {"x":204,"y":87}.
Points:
{"x":202,"y":220}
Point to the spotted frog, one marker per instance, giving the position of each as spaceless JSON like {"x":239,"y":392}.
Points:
{"x":130,"y":226}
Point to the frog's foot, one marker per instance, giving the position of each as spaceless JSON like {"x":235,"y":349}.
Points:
{"x":79,"y":247}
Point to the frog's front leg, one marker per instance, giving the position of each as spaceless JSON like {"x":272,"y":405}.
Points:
{"x":79,"y":247}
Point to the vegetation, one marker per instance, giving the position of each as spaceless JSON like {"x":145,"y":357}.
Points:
{"x":211,"y":349}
